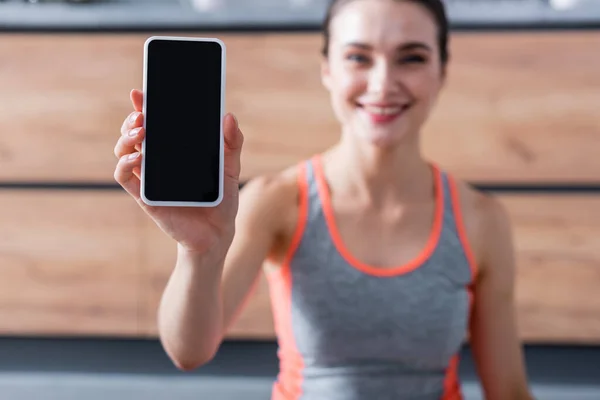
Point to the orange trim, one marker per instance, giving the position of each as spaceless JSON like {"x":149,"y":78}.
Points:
{"x":452,"y":390}
{"x":460,"y":227}
{"x":347,"y":255}
{"x":289,"y":382}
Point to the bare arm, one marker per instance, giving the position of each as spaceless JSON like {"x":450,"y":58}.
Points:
{"x":219,"y":249}
{"x":205,"y":292}
{"x":494,"y":336}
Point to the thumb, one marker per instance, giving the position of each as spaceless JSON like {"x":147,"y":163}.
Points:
{"x":234,"y":140}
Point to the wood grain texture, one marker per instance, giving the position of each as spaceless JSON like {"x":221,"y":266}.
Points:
{"x":516,"y":107}
{"x":70,"y":264}
{"x":558,"y":252}
{"x":519,"y":107}
{"x":558,"y":249}
{"x":93,"y":264}
{"x":62,"y":103}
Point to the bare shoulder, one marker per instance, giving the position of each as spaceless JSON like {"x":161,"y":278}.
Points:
{"x":487,"y":224}
{"x":486,"y":208}
{"x":268,"y":200}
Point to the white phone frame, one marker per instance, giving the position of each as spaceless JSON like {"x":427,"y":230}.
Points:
{"x":221,"y":139}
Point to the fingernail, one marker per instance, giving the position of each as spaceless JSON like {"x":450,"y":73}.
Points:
{"x":133,"y":156}
{"x":235,"y":119}
{"x":134,"y":132}
{"x":133,"y":117}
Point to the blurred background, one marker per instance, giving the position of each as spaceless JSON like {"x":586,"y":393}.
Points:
{"x":82,"y":270}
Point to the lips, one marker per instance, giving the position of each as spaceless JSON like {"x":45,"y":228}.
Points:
{"x":383,"y":113}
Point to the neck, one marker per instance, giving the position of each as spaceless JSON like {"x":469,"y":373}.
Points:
{"x":381,"y":175}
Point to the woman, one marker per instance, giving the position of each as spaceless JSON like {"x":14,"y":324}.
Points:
{"x":380,"y":265}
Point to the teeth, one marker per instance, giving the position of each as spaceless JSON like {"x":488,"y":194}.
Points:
{"x":383,"y":110}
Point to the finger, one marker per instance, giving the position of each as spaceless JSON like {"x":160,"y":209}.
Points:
{"x":130,"y":143}
{"x":133,"y":120}
{"x":124,"y":174}
{"x":234,"y":140}
{"x":137,"y":99}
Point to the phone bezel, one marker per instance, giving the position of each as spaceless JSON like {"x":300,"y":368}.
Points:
{"x":222,"y":115}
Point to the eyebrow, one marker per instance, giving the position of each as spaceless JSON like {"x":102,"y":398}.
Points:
{"x":403,"y":47}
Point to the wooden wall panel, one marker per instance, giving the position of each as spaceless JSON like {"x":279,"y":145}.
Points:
{"x":558,"y":246}
{"x":93,"y":264}
{"x":517,"y":107}
{"x":70,"y":264}
{"x":558,"y":251}
{"x":62,"y":103}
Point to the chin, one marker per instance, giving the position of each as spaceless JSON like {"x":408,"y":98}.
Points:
{"x":383,"y":138}
{"x":380,"y":132}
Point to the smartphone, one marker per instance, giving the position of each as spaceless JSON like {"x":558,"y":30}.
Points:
{"x":184,"y":96}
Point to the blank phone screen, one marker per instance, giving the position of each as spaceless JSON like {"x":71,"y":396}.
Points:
{"x":183,"y":121}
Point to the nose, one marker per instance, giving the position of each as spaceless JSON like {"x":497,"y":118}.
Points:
{"x":381,"y":78}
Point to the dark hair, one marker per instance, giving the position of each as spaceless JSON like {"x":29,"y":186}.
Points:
{"x":435,"y":7}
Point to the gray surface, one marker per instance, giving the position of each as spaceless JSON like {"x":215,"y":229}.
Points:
{"x":173,"y":14}
{"x":19,"y":386}
{"x":101,"y":369}
{"x":565,"y":365}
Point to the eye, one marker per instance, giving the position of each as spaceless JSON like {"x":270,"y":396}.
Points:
{"x":358,"y":58}
{"x":413,"y":59}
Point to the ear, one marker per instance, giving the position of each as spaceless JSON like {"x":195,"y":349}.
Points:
{"x":325,"y":73}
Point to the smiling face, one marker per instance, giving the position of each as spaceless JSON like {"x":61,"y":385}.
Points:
{"x":383,"y":69}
